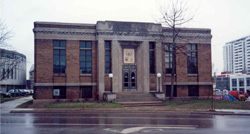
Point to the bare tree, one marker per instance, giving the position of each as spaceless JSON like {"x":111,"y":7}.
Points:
{"x":5,"y":34}
{"x":173,"y":17}
{"x":9,"y":61}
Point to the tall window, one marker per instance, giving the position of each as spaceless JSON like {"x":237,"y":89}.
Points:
{"x":59,"y":56}
{"x":241,"y":82}
{"x":152,"y":57}
{"x":248,"y":81}
{"x":192,"y":59}
{"x":168,"y":58}
{"x":234,"y":82}
{"x":85,"y":57}
{"x":107,"y":57}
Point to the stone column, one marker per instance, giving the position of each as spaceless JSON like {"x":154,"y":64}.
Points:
{"x":101,"y":67}
{"x":158,"y":61}
{"x":116,"y":66}
{"x":145,"y":66}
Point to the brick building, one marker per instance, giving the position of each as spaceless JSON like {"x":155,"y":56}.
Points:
{"x":72,"y":61}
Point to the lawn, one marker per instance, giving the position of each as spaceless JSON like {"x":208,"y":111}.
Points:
{"x":207,"y":104}
{"x":2,"y":100}
{"x":83,"y":105}
{"x":25,"y":104}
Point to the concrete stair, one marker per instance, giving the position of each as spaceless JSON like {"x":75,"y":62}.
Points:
{"x":137,"y":99}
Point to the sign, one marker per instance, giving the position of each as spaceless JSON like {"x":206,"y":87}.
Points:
{"x":56,"y":92}
{"x":129,"y":56}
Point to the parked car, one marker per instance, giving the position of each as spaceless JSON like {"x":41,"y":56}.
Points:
{"x":239,"y":95}
{"x":16,"y":92}
{"x":25,"y":92}
{"x":4,"y":94}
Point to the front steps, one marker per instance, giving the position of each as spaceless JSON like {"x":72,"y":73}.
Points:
{"x":137,"y":99}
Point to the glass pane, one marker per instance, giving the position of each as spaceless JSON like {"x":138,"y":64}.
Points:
{"x":107,"y":58}
{"x":82,"y":64}
{"x":56,"y":43}
{"x":63,"y":44}
{"x":62,"y":52}
{"x":126,"y":77}
{"x":56,"y":63}
{"x":107,"y":44}
{"x":63,"y":70}
{"x":107,"y":70}
{"x":88,"y":44}
{"x":82,"y":52}
{"x":107,"y":52}
{"x":63,"y":63}
{"x":88,"y":52}
{"x":125,"y":84}
{"x":88,"y":64}
{"x":89,"y":70}
{"x":62,"y":58}
{"x":133,"y":77}
{"x":107,"y":65}
{"x":194,"y":47}
{"x":88,"y":58}
{"x":56,"y":52}
{"x":56,"y":58}
{"x":82,"y":44}
{"x":151,"y":45}
{"x":82,"y":70}
{"x":189,"y":47}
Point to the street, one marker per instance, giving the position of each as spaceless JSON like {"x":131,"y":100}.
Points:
{"x":125,"y":123}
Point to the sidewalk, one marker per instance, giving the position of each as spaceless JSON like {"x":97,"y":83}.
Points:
{"x":159,"y":109}
{"x":6,"y":107}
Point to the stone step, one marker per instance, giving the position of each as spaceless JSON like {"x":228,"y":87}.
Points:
{"x":135,"y":96}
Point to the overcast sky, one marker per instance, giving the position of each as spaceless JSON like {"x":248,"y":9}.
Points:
{"x":228,"y":19}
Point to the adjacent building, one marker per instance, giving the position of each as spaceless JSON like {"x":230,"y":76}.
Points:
{"x":12,"y":70}
{"x":73,"y":61}
{"x":237,"y":56}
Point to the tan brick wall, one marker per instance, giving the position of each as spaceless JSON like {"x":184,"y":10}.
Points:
{"x":205,"y":90}
{"x":152,"y":83}
{"x":181,"y":64}
{"x":43,"y":93}
{"x":73,"y":93}
{"x":73,"y":61}
{"x":107,"y":83}
{"x":204,"y":63}
{"x":43,"y":61}
{"x":182,"y":91}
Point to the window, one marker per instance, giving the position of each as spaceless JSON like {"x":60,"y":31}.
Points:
{"x":248,"y":81}
{"x":152,"y":57}
{"x":86,"y":92}
{"x":168,"y":58}
{"x":193,"y":91}
{"x":59,"y":92}
{"x":59,"y":56}
{"x":168,"y":91}
{"x":85,"y":57}
{"x":234,"y":89}
{"x":107,"y":57}
{"x":234,"y":82}
{"x":192,"y":59}
{"x":241,"y":82}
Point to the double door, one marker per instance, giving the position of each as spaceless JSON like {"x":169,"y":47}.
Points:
{"x":129,"y":77}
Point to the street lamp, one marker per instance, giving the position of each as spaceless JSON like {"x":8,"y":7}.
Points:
{"x":158,"y":82}
{"x":111,"y":76}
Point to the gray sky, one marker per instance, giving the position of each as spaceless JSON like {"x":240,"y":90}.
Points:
{"x":228,"y":19}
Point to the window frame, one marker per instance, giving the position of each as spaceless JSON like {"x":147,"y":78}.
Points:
{"x":192,"y":58}
{"x":168,"y":55}
{"x":109,"y":63}
{"x":84,"y":54}
{"x":152,"y":67}
{"x":61,"y":69}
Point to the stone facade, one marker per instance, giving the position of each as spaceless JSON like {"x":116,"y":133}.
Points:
{"x":122,"y":35}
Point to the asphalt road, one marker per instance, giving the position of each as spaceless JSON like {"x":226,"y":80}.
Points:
{"x":123,"y":123}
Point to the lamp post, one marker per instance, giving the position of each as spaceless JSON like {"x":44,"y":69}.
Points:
{"x":158,"y":82}
{"x":111,"y":76}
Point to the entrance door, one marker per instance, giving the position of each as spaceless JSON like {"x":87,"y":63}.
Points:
{"x":129,"y":78}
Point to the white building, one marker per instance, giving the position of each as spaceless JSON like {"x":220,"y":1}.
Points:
{"x":236,"y":56}
{"x":12,"y":70}
{"x":239,"y":82}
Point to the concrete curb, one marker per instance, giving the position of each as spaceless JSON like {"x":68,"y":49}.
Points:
{"x":121,"y":110}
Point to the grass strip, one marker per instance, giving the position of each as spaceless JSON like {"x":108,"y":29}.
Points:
{"x":83,"y":105}
{"x":207,"y":104}
{"x":2,"y":100}
{"x":25,"y":104}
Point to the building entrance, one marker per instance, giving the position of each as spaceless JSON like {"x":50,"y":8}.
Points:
{"x":129,"y":78}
